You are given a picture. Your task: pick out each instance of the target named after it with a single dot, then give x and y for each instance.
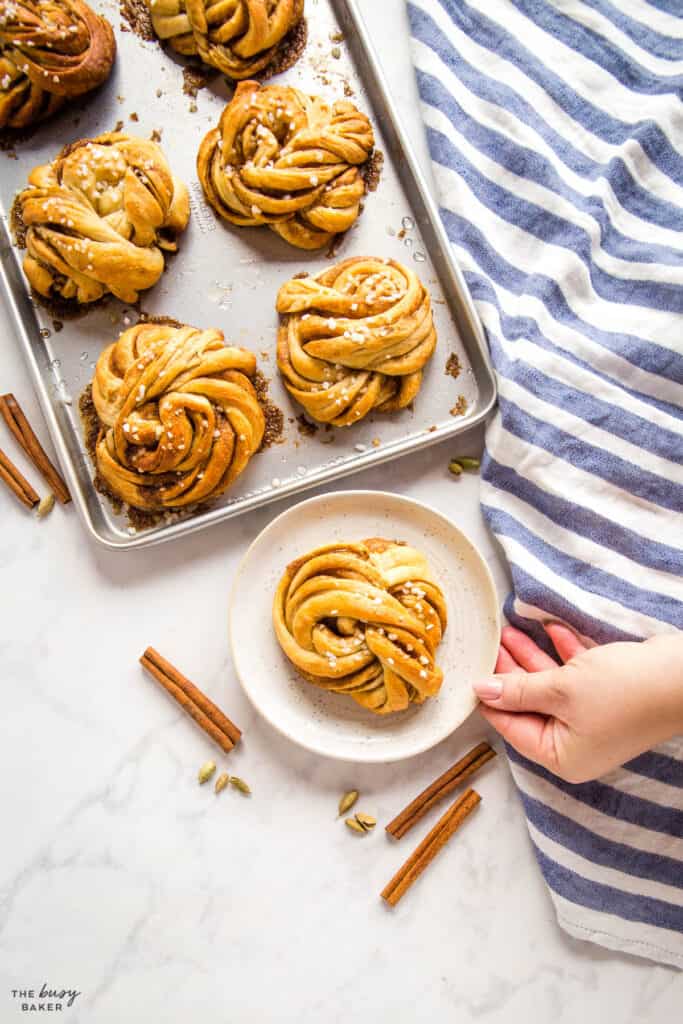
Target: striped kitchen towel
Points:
(556, 133)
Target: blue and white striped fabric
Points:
(556, 133)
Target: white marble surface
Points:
(159, 902)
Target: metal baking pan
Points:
(228, 277)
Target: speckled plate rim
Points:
(368, 756)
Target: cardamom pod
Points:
(221, 782)
(206, 771)
(45, 505)
(239, 784)
(354, 825)
(467, 463)
(366, 820)
(347, 801)
(455, 468)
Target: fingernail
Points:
(488, 689)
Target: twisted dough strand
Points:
(98, 217)
(365, 620)
(354, 338)
(180, 415)
(289, 160)
(49, 50)
(239, 37)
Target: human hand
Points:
(602, 707)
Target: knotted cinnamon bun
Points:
(49, 50)
(354, 338)
(180, 417)
(239, 37)
(365, 620)
(98, 218)
(289, 160)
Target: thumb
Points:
(542, 692)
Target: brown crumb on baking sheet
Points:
(137, 18)
(133, 116)
(156, 135)
(57, 325)
(146, 520)
(288, 52)
(196, 77)
(90, 421)
(301, 274)
(460, 407)
(118, 127)
(150, 318)
(11, 137)
(453, 366)
(372, 170)
(335, 244)
(275, 420)
(336, 37)
(67, 309)
(16, 224)
(305, 427)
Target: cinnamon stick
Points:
(203, 711)
(17, 483)
(440, 788)
(434, 841)
(14, 417)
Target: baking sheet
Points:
(228, 277)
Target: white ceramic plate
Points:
(330, 723)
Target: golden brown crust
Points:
(97, 219)
(291, 161)
(354, 338)
(240, 38)
(50, 50)
(179, 413)
(365, 620)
